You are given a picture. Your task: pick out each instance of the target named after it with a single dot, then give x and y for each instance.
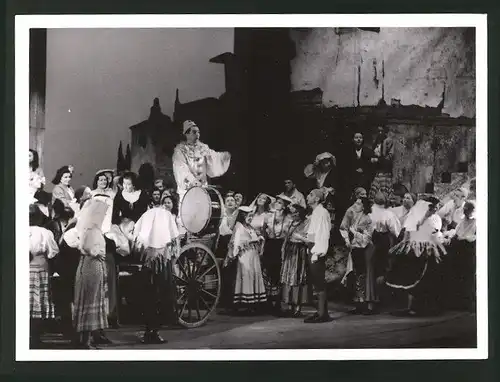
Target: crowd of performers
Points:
(273, 250)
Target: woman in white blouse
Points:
(62, 189)
(357, 230)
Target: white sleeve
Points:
(321, 227)
(182, 173)
(52, 247)
(217, 163)
(393, 223)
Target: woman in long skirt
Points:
(386, 231)
(91, 305)
(157, 240)
(294, 271)
(415, 262)
(357, 230)
(226, 232)
(271, 260)
(246, 248)
(42, 247)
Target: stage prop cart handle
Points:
(197, 274)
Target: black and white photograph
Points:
(251, 187)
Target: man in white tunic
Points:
(318, 236)
(194, 162)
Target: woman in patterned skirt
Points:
(91, 307)
(271, 260)
(357, 230)
(246, 247)
(383, 156)
(42, 247)
(294, 270)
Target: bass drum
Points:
(201, 210)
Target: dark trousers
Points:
(460, 275)
(317, 271)
(157, 297)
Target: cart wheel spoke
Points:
(181, 296)
(181, 267)
(210, 294)
(204, 273)
(180, 279)
(200, 264)
(183, 308)
(198, 309)
(205, 303)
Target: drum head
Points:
(196, 209)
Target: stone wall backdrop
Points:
(412, 65)
(420, 82)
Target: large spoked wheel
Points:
(197, 283)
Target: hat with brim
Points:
(246, 209)
(323, 156)
(105, 171)
(284, 198)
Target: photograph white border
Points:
(22, 25)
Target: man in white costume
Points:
(194, 162)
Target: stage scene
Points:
(252, 188)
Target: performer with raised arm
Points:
(194, 162)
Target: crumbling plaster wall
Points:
(412, 65)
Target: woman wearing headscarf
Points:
(91, 304)
(157, 241)
(246, 248)
(277, 226)
(194, 162)
(415, 261)
(131, 202)
(382, 160)
(295, 268)
(357, 230)
(42, 247)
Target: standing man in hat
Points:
(322, 175)
(318, 237)
(194, 162)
